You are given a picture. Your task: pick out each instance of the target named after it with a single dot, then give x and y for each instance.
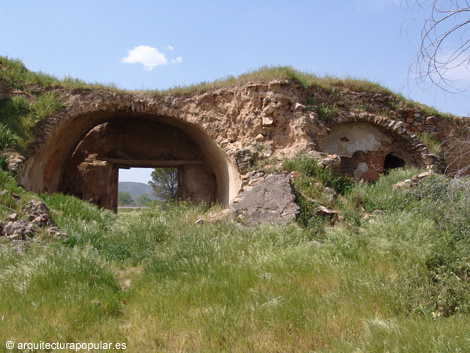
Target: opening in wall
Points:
(393, 162)
(140, 187)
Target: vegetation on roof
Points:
(38, 95)
(14, 72)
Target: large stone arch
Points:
(71, 142)
(369, 144)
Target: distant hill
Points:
(136, 189)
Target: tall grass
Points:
(19, 119)
(15, 73)
(271, 73)
(56, 294)
(159, 282)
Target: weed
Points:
(19, 118)
(326, 112)
(8, 139)
(3, 162)
(432, 144)
(310, 168)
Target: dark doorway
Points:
(393, 162)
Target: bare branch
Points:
(445, 42)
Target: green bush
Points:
(19, 119)
(310, 168)
(8, 139)
(3, 162)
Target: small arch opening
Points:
(393, 162)
(134, 190)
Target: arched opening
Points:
(393, 162)
(91, 172)
(83, 156)
(366, 151)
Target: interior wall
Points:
(363, 148)
(50, 169)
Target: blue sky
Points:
(143, 44)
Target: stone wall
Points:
(227, 126)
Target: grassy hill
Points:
(390, 274)
(136, 189)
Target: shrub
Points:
(3, 162)
(310, 168)
(8, 139)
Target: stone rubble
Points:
(270, 201)
(37, 215)
(414, 181)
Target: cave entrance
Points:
(92, 172)
(393, 162)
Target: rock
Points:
(425, 175)
(243, 158)
(38, 213)
(267, 121)
(13, 217)
(16, 197)
(18, 230)
(297, 106)
(406, 183)
(271, 201)
(332, 162)
(14, 162)
(259, 137)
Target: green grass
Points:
(397, 281)
(20, 118)
(271, 73)
(431, 143)
(70, 292)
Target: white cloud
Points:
(145, 55)
(169, 47)
(457, 72)
(178, 60)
